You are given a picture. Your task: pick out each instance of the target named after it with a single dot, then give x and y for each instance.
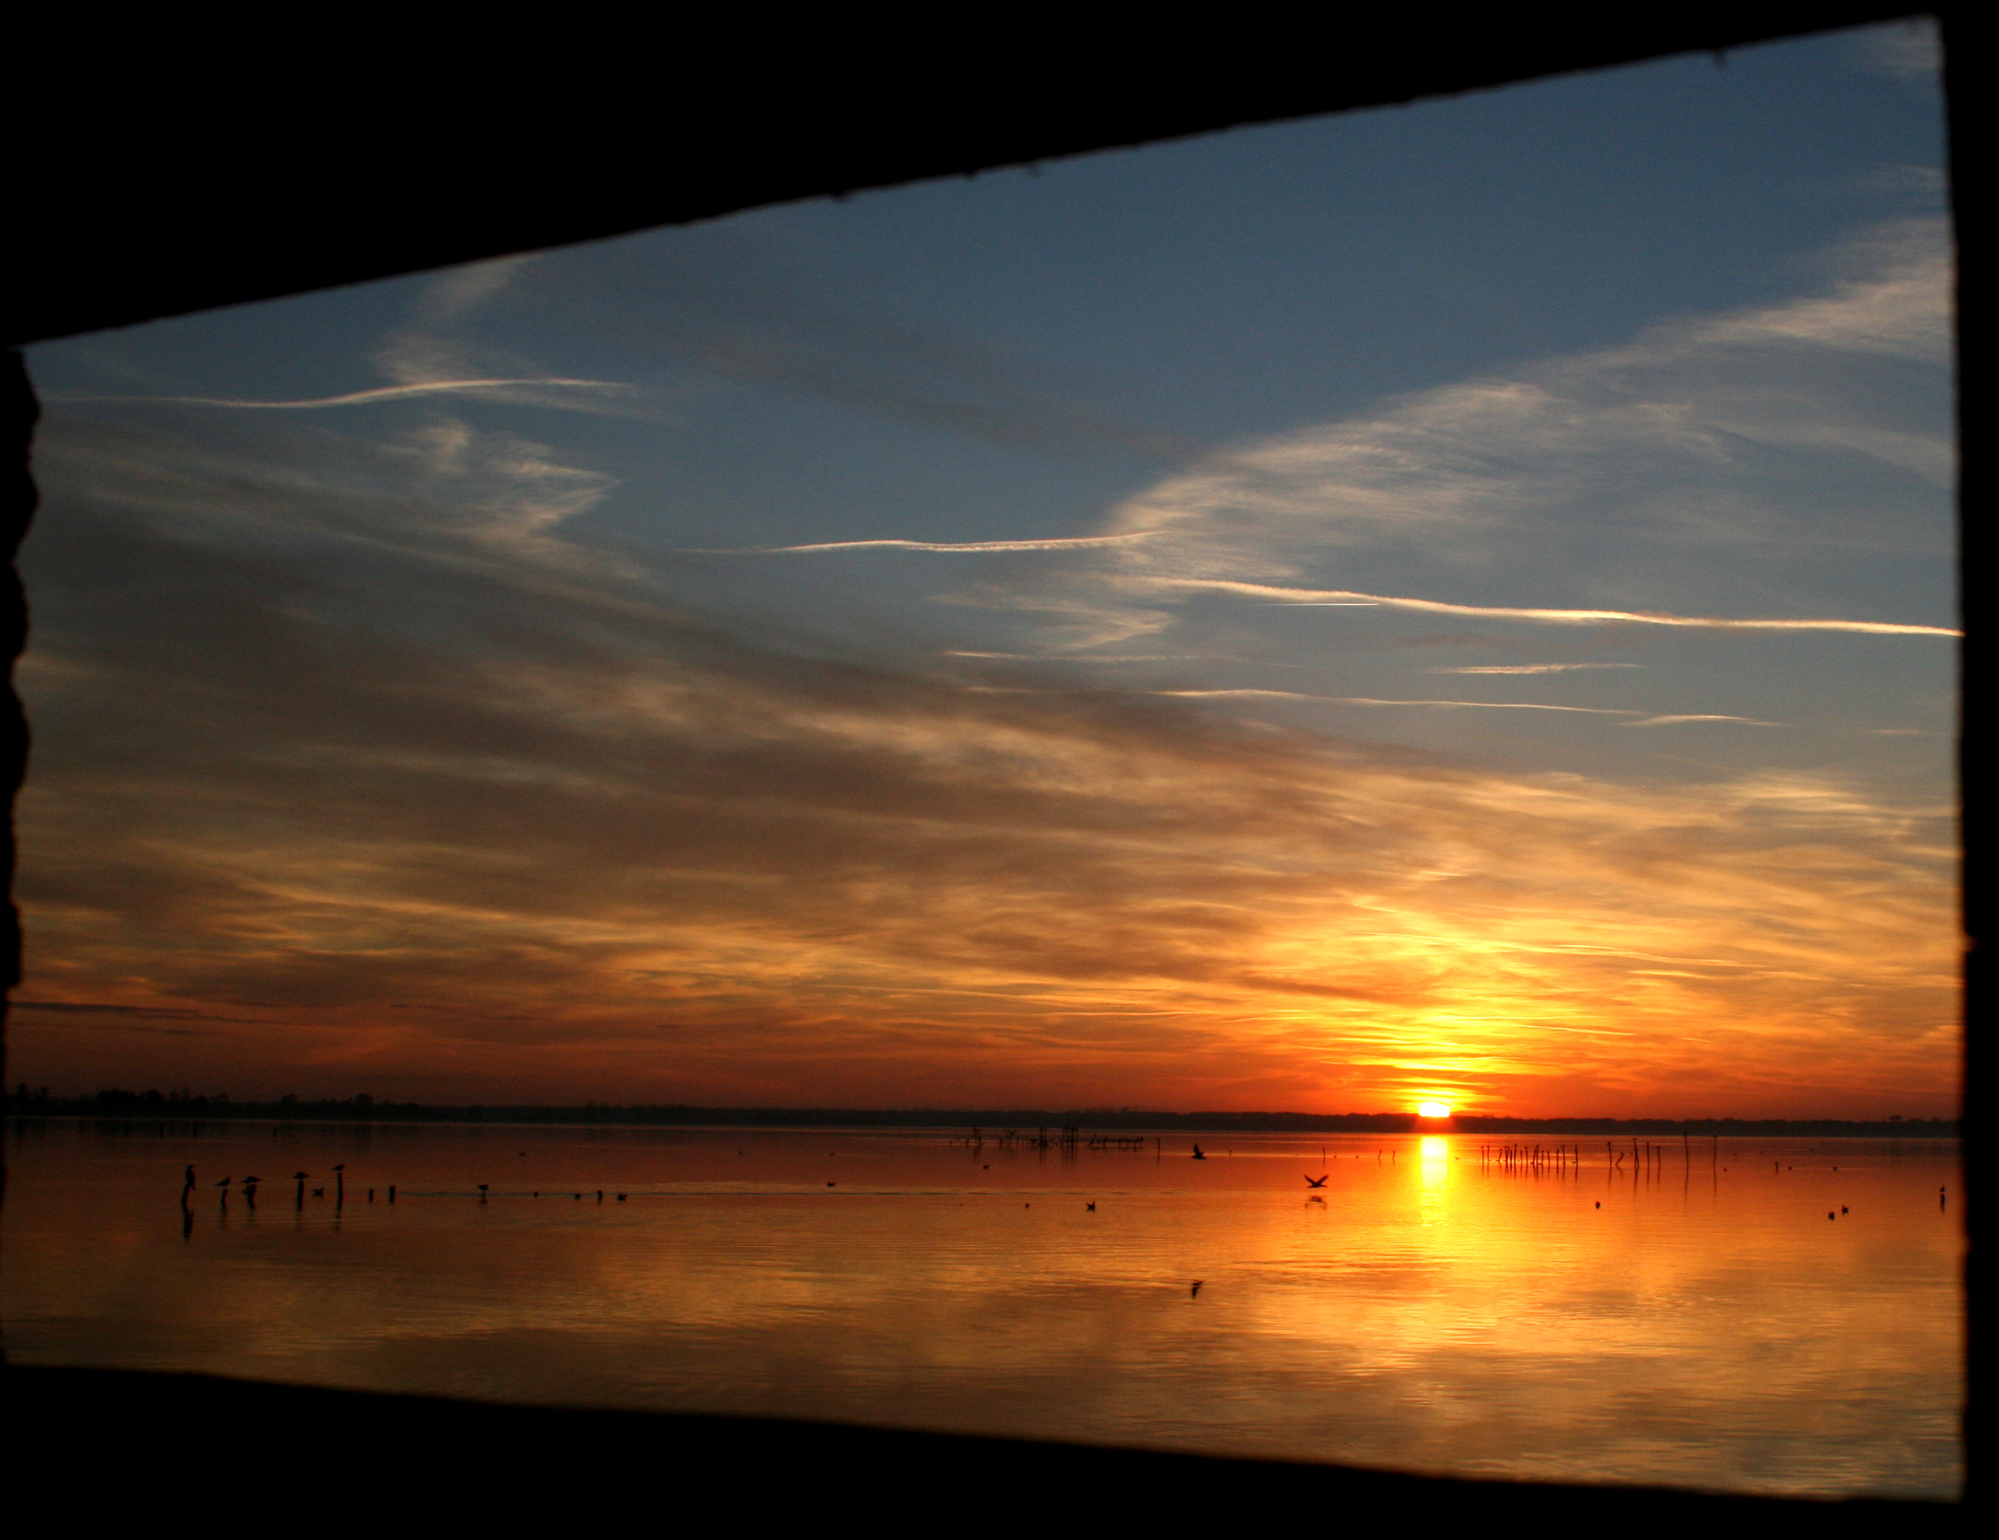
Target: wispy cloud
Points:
(367, 397)
(1671, 721)
(1910, 51)
(1530, 668)
(1443, 705)
(1550, 617)
(448, 809)
(1792, 436)
(1053, 543)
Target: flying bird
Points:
(1317, 1181)
(1195, 1292)
(1199, 1153)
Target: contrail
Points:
(352, 398)
(1530, 668)
(1670, 721)
(1055, 543)
(1467, 705)
(1299, 597)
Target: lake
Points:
(1685, 1315)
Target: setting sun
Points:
(1433, 1110)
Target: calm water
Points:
(1706, 1326)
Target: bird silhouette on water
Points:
(1317, 1181)
(1195, 1292)
(1199, 1153)
(1089, 1208)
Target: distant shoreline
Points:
(154, 1107)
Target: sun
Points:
(1433, 1109)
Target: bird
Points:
(482, 1192)
(1844, 1209)
(1317, 1181)
(1195, 1292)
(319, 1192)
(1089, 1208)
(1831, 1215)
(621, 1197)
(1199, 1153)
(223, 1183)
(1599, 1205)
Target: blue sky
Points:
(1454, 443)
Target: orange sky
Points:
(1190, 630)
(771, 883)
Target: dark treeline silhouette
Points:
(184, 1104)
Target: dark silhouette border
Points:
(175, 161)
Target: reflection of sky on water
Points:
(1701, 1326)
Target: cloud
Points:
(1793, 436)
(364, 719)
(724, 303)
(351, 727)
(1065, 543)
(1550, 617)
(1447, 705)
(361, 397)
(1529, 668)
(1672, 721)
(1909, 51)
